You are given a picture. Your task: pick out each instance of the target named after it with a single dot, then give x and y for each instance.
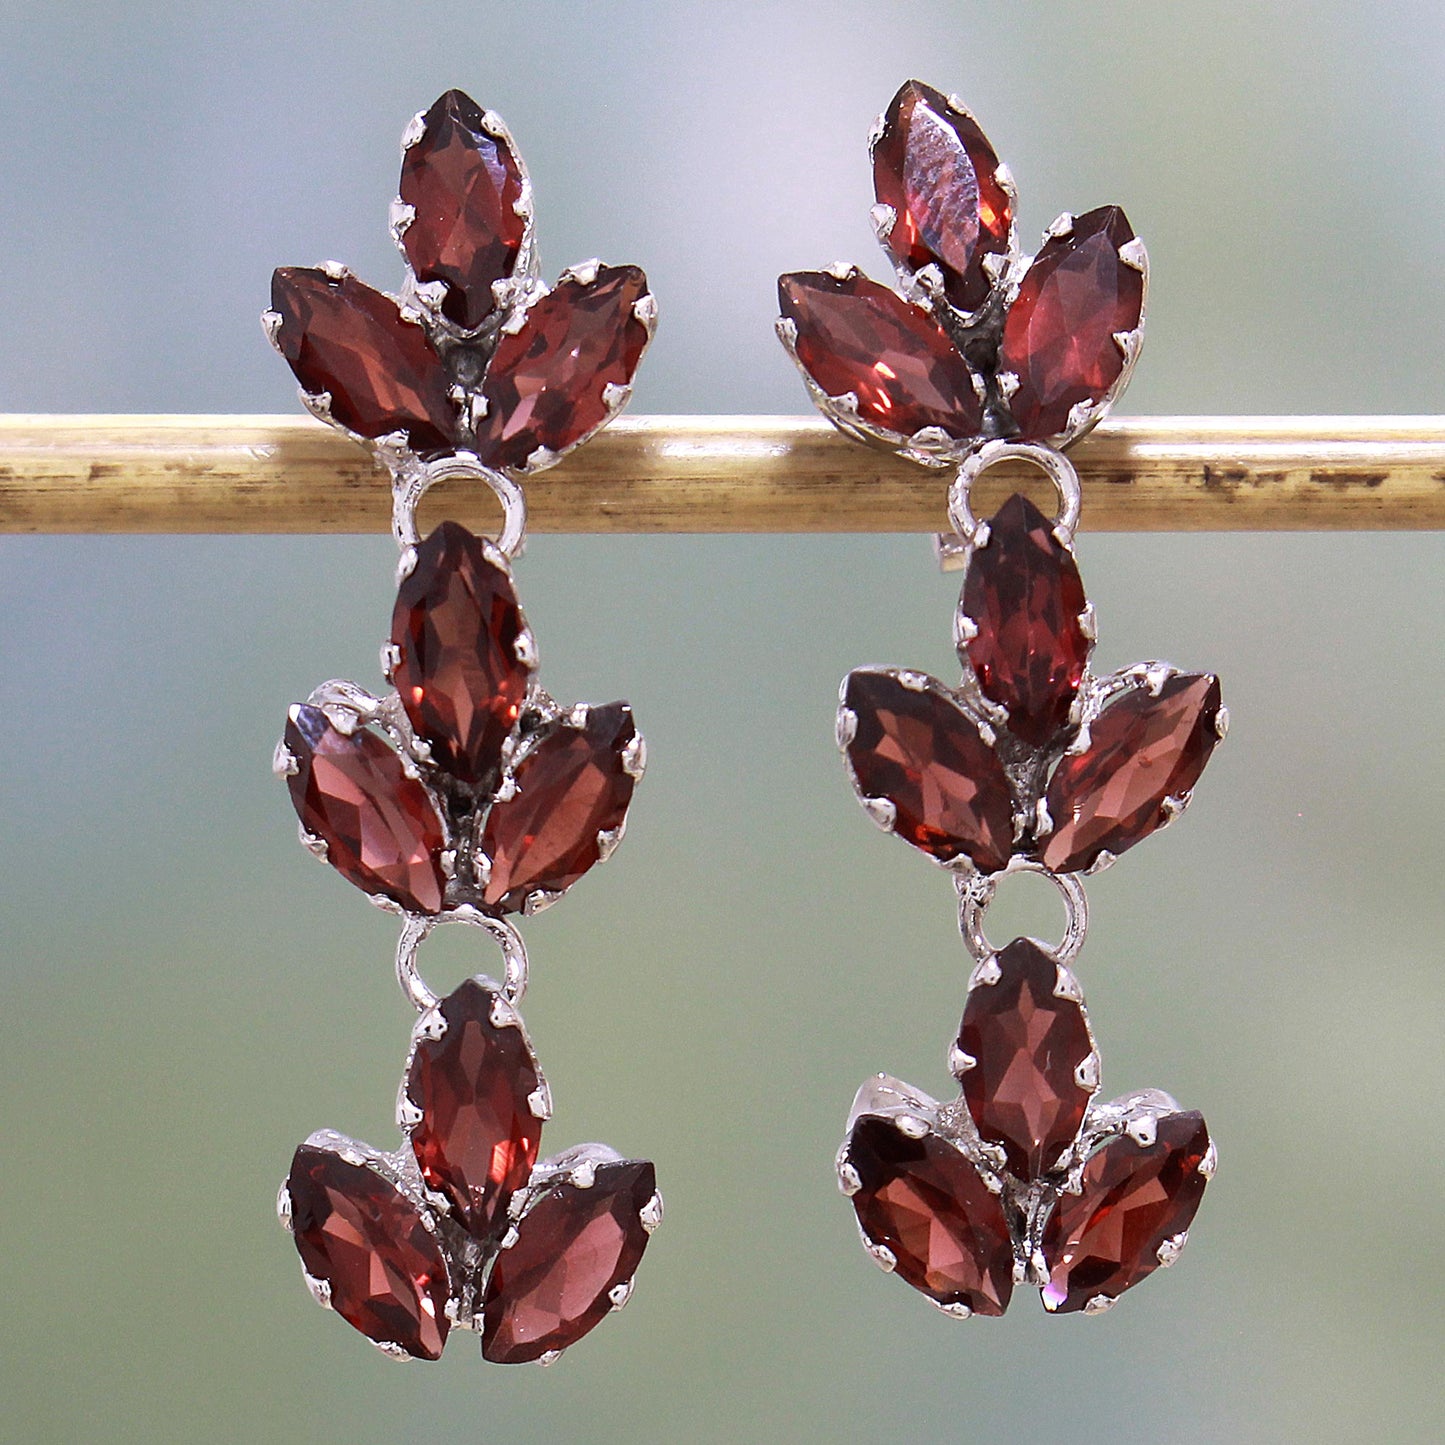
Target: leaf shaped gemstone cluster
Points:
(979, 341)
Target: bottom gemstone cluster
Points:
(1025, 1178)
(463, 1226)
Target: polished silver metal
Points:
(413, 481)
(1053, 464)
(418, 927)
(976, 891)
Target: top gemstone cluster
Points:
(475, 354)
(983, 342)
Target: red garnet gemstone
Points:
(343, 338)
(456, 625)
(1106, 1239)
(361, 1235)
(478, 1137)
(1027, 1043)
(1059, 336)
(856, 336)
(544, 386)
(1024, 595)
(573, 785)
(924, 1200)
(574, 1247)
(463, 185)
(915, 747)
(1142, 750)
(379, 826)
(935, 167)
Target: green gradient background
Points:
(184, 994)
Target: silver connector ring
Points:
(1054, 465)
(410, 488)
(417, 928)
(976, 892)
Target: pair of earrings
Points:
(468, 794)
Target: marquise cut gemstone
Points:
(1058, 339)
(917, 749)
(546, 383)
(857, 337)
(463, 185)
(1142, 750)
(936, 169)
(345, 339)
(1107, 1238)
(368, 1242)
(478, 1136)
(573, 786)
(1027, 1043)
(924, 1201)
(456, 627)
(379, 826)
(1024, 595)
(574, 1247)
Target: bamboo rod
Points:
(112, 474)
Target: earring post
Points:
(720, 474)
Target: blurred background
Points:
(185, 994)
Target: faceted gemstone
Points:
(1023, 592)
(1027, 1044)
(572, 786)
(463, 185)
(1142, 749)
(1106, 1239)
(343, 338)
(935, 167)
(925, 1201)
(857, 336)
(918, 749)
(574, 1246)
(478, 1137)
(456, 625)
(1059, 336)
(544, 386)
(379, 826)
(368, 1241)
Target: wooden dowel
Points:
(114, 474)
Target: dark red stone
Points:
(1059, 336)
(1106, 1239)
(935, 167)
(368, 1241)
(344, 338)
(478, 1138)
(1027, 1044)
(1142, 749)
(464, 186)
(857, 336)
(570, 787)
(917, 748)
(456, 625)
(573, 1247)
(1023, 592)
(544, 386)
(925, 1201)
(379, 826)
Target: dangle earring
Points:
(1033, 763)
(467, 794)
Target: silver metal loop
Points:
(417, 928)
(1054, 465)
(976, 892)
(409, 488)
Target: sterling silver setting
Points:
(462, 807)
(950, 768)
